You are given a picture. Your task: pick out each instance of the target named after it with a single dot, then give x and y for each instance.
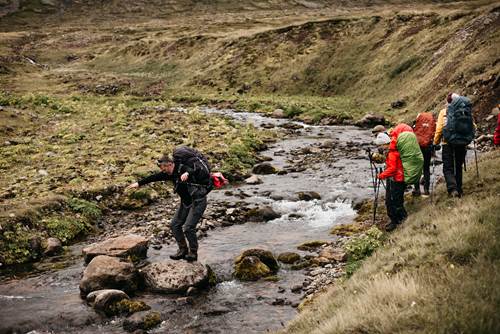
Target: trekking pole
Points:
(375, 202)
(371, 168)
(475, 156)
(433, 176)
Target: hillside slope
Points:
(365, 57)
(438, 273)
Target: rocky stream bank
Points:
(265, 248)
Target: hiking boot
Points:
(427, 192)
(454, 194)
(390, 227)
(181, 253)
(416, 193)
(192, 256)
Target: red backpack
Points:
(424, 128)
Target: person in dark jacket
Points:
(190, 174)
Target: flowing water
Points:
(50, 301)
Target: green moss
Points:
(65, 228)
(212, 277)
(362, 246)
(127, 306)
(88, 209)
(18, 245)
(151, 320)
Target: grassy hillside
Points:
(264, 54)
(438, 273)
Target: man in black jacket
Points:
(188, 169)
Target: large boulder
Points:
(174, 276)
(131, 245)
(308, 195)
(104, 300)
(278, 113)
(262, 214)
(53, 246)
(264, 256)
(107, 272)
(264, 168)
(370, 120)
(251, 268)
(254, 179)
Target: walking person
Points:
(424, 129)
(496, 136)
(395, 185)
(190, 173)
(454, 130)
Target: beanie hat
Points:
(451, 97)
(382, 139)
(378, 128)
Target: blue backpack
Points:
(459, 129)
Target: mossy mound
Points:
(311, 245)
(289, 257)
(302, 265)
(250, 268)
(264, 256)
(349, 229)
(127, 306)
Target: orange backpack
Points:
(424, 128)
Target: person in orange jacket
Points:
(395, 186)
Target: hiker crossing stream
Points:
(323, 170)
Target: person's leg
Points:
(449, 168)
(460, 152)
(176, 228)
(427, 153)
(399, 198)
(389, 204)
(195, 215)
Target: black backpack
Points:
(459, 129)
(196, 160)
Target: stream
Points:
(329, 160)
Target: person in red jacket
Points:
(395, 186)
(496, 136)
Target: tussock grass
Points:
(438, 273)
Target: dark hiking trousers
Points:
(394, 201)
(453, 161)
(427, 153)
(184, 223)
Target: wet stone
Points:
(131, 245)
(174, 276)
(106, 272)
